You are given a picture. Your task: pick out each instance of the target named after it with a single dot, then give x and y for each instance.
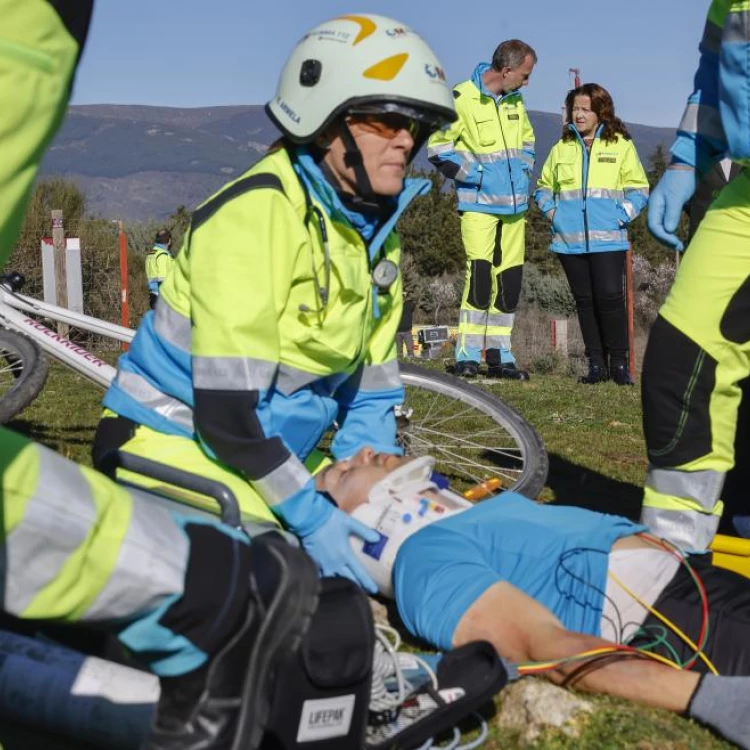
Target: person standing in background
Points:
(158, 264)
(489, 153)
(592, 186)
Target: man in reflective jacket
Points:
(280, 316)
(158, 264)
(489, 153)
(699, 347)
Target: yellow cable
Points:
(667, 622)
(598, 652)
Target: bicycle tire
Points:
(521, 467)
(23, 372)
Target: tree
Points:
(658, 161)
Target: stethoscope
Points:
(383, 275)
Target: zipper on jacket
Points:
(587, 160)
(507, 158)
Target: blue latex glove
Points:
(331, 549)
(674, 190)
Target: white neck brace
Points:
(396, 509)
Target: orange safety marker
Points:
(483, 489)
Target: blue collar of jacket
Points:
(368, 227)
(478, 81)
(574, 129)
(158, 248)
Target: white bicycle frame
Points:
(13, 316)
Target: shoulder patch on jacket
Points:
(253, 182)
(456, 94)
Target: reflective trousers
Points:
(698, 350)
(79, 548)
(495, 248)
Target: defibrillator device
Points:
(398, 506)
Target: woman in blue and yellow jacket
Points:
(592, 186)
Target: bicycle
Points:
(473, 434)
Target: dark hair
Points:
(163, 237)
(602, 106)
(511, 54)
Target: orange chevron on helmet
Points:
(388, 69)
(367, 27)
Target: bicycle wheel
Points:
(23, 370)
(472, 433)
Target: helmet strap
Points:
(365, 199)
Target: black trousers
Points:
(728, 645)
(597, 283)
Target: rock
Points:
(379, 612)
(530, 706)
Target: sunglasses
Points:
(385, 124)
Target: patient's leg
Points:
(522, 630)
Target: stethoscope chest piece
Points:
(384, 274)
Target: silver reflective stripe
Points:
(595, 236)
(290, 379)
(499, 200)
(502, 320)
(502, 155)
(473, 340)
(464, 169)
(571, 195)
(689, 530)
(283, 482)
(442, 148)
(712, 34)
(528, 145)
(151, 564)
(59, 516)
(152, 398)
(172, 326)
(607, 236)
(737, 28)
(700, 118)
(473, 317)
(497, 342)
(233, 373)
(605, 193)
(382, 377)
(629, 209)
(702, 487)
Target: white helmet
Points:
(359, 61)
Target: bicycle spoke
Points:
(468, 443)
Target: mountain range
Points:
(137, 162)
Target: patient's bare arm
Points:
(522, 630)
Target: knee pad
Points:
(480, 284)
(509, 289)
(321, 694)
(678, 380)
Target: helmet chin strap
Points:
(365, 199)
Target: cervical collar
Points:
(396, 509)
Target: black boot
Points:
(225, 704)
(620, 374)
(508, 370)
(596, 374)
(466, 369)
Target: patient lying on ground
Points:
(542, 582)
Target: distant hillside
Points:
(138, 162)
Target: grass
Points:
(597, 460)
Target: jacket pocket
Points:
(487, 130)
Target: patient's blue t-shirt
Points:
(555, 554)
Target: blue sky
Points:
(193, 53)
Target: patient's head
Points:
(349, 482)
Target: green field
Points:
(597, 460)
